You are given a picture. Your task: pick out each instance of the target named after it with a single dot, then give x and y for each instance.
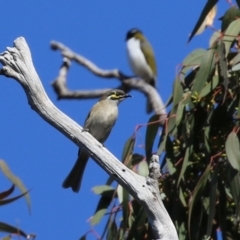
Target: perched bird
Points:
(141, 58)
(99, 123)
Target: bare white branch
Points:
(126, 83)
(17, 64)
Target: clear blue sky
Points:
(39, 154)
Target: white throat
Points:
(137, 60)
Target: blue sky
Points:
(39, 154)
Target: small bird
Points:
(99, 123)
(141, 58)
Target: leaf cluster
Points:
(199, 147)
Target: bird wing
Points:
(149, 55)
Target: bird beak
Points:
(127, 95)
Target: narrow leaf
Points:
(233, 150)
(207, 8)
(231, 34)
(212, 203)
(16, 181)
(127, 151)
(209, 86)
(102, 189)
(177, 92)
(206, 68)
(184, 164)
(4, 227)
(151, 134)
(7, 193)
(9, 200)
(192, 60)
(223, 66)
(143, 169)
(197, 193)
(102, 207)
(230, 15)
(180, 111)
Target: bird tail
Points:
(74, 178)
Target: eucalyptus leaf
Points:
(151, 133)
(197, 193)
(16, 181)
(4, 227)
(209, 86)
(233, 150)
(207, 8)
(206, 68)
(231, 34)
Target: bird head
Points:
(136, 33)
(115, 95)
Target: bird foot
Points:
(85, 130)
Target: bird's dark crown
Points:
(133, 32)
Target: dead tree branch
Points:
(126, 83)
(17, 63)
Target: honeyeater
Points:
(99, 123)
(141, 58)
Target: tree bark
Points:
(17, 63)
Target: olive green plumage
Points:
(141, 58)
(99, 124)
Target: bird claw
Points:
(85, 130)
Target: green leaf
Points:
(102, 189)
(231, 34)
(127, 151)
(223, 66)
(184, 164)
(143, 169)
(215, 36)
(151, 134)
(137, 231)
(112, 231)
(236, 67)
(206, 68)
(197, 193)
(233, 150)
(177, 92)
(207, 8)
(209, 86)
(234, 184)
(16, 181)
(125, 208)
(236, 59)
(4, 227)
(212, 199)
(180, 111)
(171, 167)
(170, 123)
(192, 60)
(238, 112)
(103, 204)
(182, 198)
(230, 15)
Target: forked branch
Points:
(17, 64)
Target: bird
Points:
(99, 123)
(141, 58)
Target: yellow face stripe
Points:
(115, 95)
